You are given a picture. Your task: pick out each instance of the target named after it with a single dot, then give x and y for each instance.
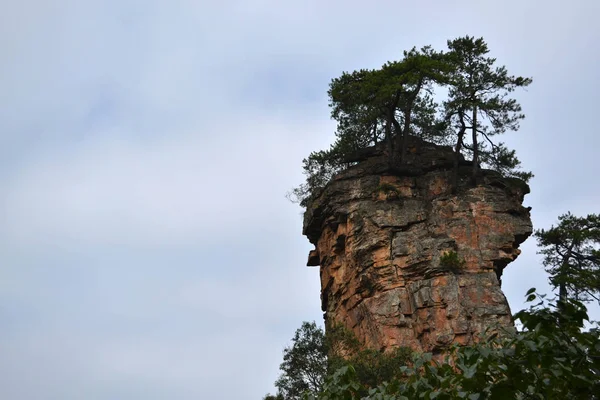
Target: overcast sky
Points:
(147, 250)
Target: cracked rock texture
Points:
(380, 233)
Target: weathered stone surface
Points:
(380, 232)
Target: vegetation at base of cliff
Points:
(315, 355)
(371, 365)
(304, 365)
(553, 354)
(387, 105)
(551, 357)
(545, 360)
(451, 261)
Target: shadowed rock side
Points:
(380, 236)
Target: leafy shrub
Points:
(552, 357)
(370, 365)
(451, 261)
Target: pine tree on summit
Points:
(478, 91)
(387, 105)
(375, 105)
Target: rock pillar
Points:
(405, 260)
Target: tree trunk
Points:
(562, 286)
(407, 120)
(562, 291)
(459, 142)
(388, 136)
(562, 294)
(375, 133)
(398, 134)
(475, 147)
(388, 126)
(405, 131)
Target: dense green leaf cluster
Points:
(370, 365)
(387, 105)
(304, 365)
(313, 354)
(452, 261)
(552, 357)
(572, 256)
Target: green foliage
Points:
(341, 341)
(551, 357)
(542, 361)
(384, 106)
(319, 168)
(504, 161)
(452, 261)
(274, 397)
(572, 256)
(389, 103)
(518, 183)
(370, 365)
(478, 101)
(341, 385)
(304, 365)
(314, 354)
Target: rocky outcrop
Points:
(407, 261)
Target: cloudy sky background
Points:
(147, 250)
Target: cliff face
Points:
(380, 238)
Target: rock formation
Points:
(405, 260)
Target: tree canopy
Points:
(385, 106)
(571, 253)
(479, 89)
(304, 365)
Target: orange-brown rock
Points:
(380, 234)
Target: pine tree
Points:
(478, 101)
(571, 253)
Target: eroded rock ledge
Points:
(380, 233)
